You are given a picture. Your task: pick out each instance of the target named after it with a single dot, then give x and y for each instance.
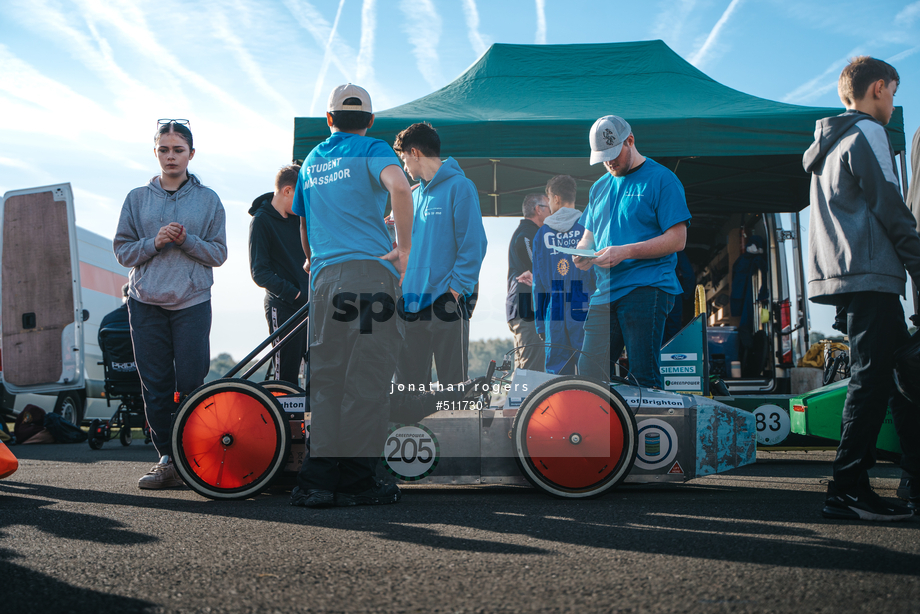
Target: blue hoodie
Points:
(448, 239)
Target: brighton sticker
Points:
(411, 452)
(678, 357)
(682, 383)
(657, 444)
(773, 424)
(682, 370)
(648, 400)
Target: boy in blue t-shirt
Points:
(637, 220)
(355, 332)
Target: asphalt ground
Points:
(77, 535)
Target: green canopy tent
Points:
(522, 113)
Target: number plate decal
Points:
(411, 452)
(773, 424)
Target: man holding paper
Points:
(635, 222)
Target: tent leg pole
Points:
(495, 185)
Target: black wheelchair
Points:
(123, 385)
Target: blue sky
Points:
(82, 83)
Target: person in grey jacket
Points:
(862, 237)
(171, 233)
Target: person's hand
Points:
(525, 278)
(181, 236)
(400, 259)
(609, 257)
(306, 265)
(456, 294)
(298, 296)
(581, 263)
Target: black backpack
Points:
(63, 430)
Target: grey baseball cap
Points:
(343, 92)
(607, 137)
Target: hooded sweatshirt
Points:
(561, 291)
(276, 254)
(861, 234)
(448, 238)
(177, 276)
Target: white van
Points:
(57, 282)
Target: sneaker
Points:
(313, 497)
(163, 475)
(381, 494)
(909, 490)
(861, 504)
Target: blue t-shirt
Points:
(341, 197)
(624, 210)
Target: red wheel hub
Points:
(240, 420)
(574, 439)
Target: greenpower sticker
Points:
(682, 383)
(411, 452)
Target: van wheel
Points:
(70, 406)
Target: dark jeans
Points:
(354, 346)
(876, 326)
(173, 354)
(285, 364)
(636, 321)
(436, 338)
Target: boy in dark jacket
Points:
(862, 237)
(276, 262)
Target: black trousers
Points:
(876, 326)
(355, 340)
(285, 364)
(440, 334)
(172, 354)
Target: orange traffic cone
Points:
(8, 462)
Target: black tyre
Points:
(69, 406)
(125, 435)
(574, 438)
(230, 439)
(95, 442)
(279, 388)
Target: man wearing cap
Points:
(635, 222)
(355, 333)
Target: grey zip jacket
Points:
(177, 276)
(861, 235)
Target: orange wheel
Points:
(230, 439)
(574, 438)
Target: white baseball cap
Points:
(607, 137)
(343, 92)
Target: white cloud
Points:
(904, 54)
(670, 19)
(244, 58)
(540, 36)
(343, 57)
(364, 72)
(699, 58)
(423, 28)
(908, 15)
(321, 76)
(472, 25)
(818, 86)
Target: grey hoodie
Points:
(861, 234)
(177, 276)
(563, 219)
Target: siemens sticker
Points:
(684, 370)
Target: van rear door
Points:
(42, 311)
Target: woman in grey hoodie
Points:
(171, 233)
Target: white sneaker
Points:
(163, 475)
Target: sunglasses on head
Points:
(166, 122)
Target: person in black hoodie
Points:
(276, 261)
